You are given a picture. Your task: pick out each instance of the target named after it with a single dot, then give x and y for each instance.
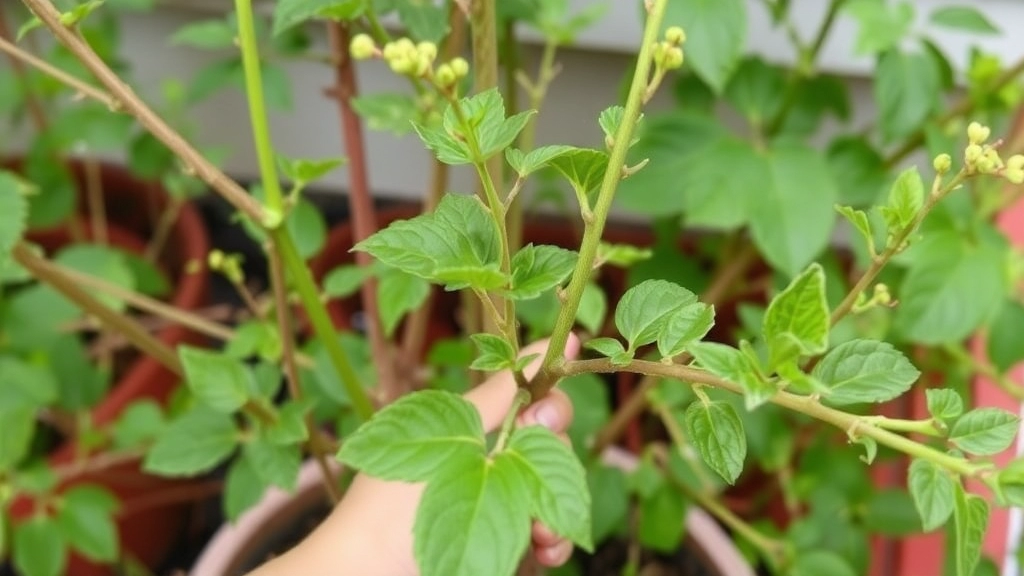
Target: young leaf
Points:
(905, 200)
(397, 294)
(194, 443)
(735, 366)
(219, 381)
(684, 327)
(446, 148)
(610, 120)
(609, 347)
(537, 269)
(716, 32)
(290, 427)
(944, 404)
(308, 228)
(865, 371)
(303, 171)
(38, 548)
(582, 167)
(456, 245)
(645, 308)
(527, 163)
(243, 488)
(415, 437)
(932, 490)
(345, 280)
(622, 255)
(966, 18)
(859, 220)
(970, 517)
(985, 431)
(207, 34)
(289, 13)
(800, 311)
(717, 432)
(275, 464)
(495, 353)
(393, 113)
(592, 310)
(86, 521)
(474, 519)
(560, 498)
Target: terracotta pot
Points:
(153, 510)
(237, 548)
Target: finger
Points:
(553, 556)
(543, 537)
(553, 412)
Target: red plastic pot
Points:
(153, 510)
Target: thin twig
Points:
(75, 84)
(35, 107)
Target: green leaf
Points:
(892, 513)
(207, 34)
(819, 563)
(345, 280)
(528, 163)
(304, 171)
(1003, 344)
(907, 89)
(425, 20)
(610, 507)
(290, 427)
(662, 520)
(77, 14)
(858, 170)
(494, 353)
(102, 262)
(308, 228)
(985, 431)
(38, 548)
(193, 443)
(882, 25)
(393, 113)
(397, 294)
(932, 490)
(289, 13)
(584, 168)
(735, 366)
(219, 381)
(456, 245)
(484, 115)
(970, 517)
(944, 404)
(275, 464)
(243, 488)
(537, 269)
(593, 308)
(25, 385)
(86, 522)
(716, 33)
(800, 312)
(255, 338)
(791, 210)
(560, 498)
(448, 149)
(464, 510)
(415, 437)
(756, 90)
(860, 222)
(684, 327)
(17, 425)
(905, 200)
(622, 255)
(611, 348)
(865, 371)
(140, 422)
(610, 120)
(717, 432)
(13, 213)
(966, 18)
(591, 409)
(644, 310)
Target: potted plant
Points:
(795, 368)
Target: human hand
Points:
(370, 532)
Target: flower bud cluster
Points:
(981, 157)
(407, 58)
(668, 54)
(230, 265)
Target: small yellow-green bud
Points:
(675, 35)
(942, 163)
(391, 51)
(882, 295)
(972, 153)
(993, 155)
(459, 66)
(986, 165)
(1015, 162)
(445, 76)
(673, 58)
(427, 50)
(402, 64)
(658, 54)
(362, 47)
(1015, 176)
(977, 134)
(215, 259)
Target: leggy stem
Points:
(852, 424)
(592, 235)
(42, 269)
(521, 399)
(18, 55)
(35, 107)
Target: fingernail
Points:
(546, 415)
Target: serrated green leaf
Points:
(345, 280)
(819, 563)
(859, 220)
(399, 293)
(584, 168)
(756, 90)
(193, 443)
(1002, 343)
(717, 432)
(207, 34)
(456, 245)
(275, 464)
(933, 492)
(644, 310)
(609, 347)
(966, 18)
(304, 171)
(484, 115)
(985, 431)
(140, 422)
(622, 255)
(38, 548)
(537, 269)
(944, 404)
(425, 20)
(290, 427)
(661, 526)
(905, 200)
(13, 214)
(593, 308)
(882, 25)
(733, 365)
(493, 353)
(801, 311)
(415, 437)
(448, 149)
(716, 33)
(558, 483)
(527, 163)
(859, 171)
(289, 13)
(610, 120)
(970, 517)
(219, 381)
(394, 113)
(243, 488)
(685, 326)
(865, 371)
(86, 521)
(255, 338)
(907, 89)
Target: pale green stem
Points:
(521, 399)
